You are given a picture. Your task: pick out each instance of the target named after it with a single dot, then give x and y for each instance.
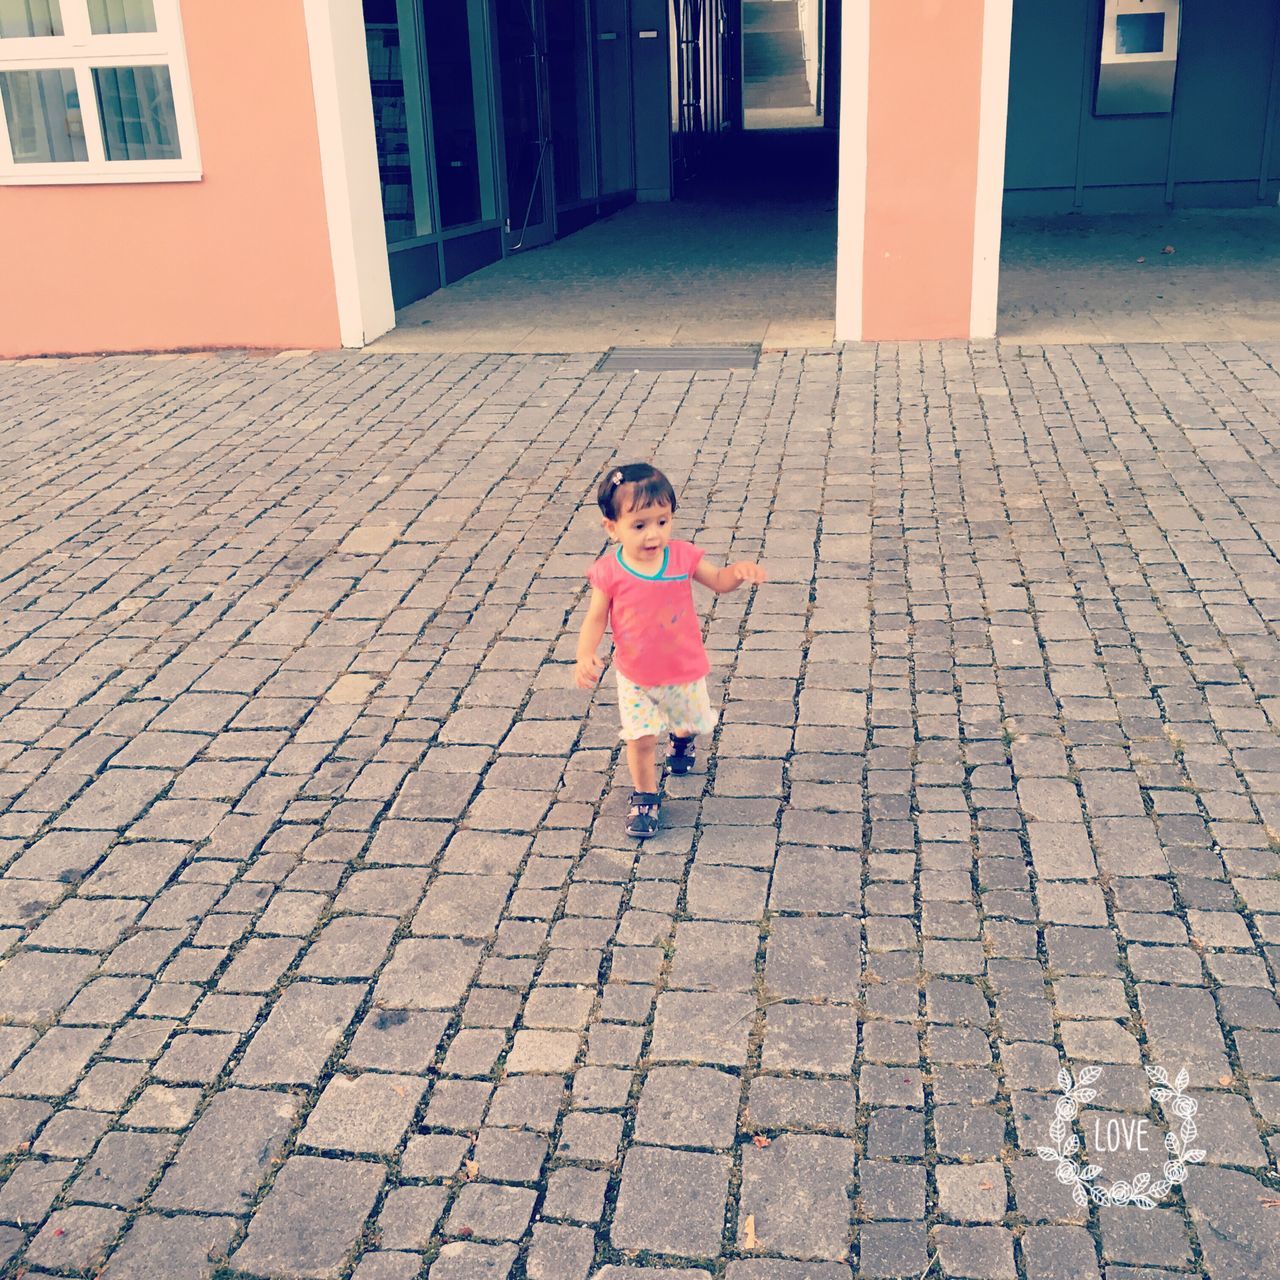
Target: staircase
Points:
(773, 55)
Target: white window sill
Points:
(97, 177)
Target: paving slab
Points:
(319, 931)
(311, 1219)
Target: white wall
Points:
(810, 34)
(349, 165)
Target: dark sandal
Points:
(682, 754)
(642, 821)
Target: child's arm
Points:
(730, 577)
(590, 665)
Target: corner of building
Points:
(276, 240)
(349, 169)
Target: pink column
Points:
(924, 95)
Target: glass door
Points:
(460, 119)
(573, 115)
(522, 63)
(613, 96)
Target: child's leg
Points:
(642, 760)
(688, 712)
(641, 722)
(642, 816)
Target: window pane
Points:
(119, 17)
(390, 120)
(1140, 33)
(136, 107)
(30, 18)
(43, 111)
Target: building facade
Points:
(226, 173)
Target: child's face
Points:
(644, 533)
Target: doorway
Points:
(782, 64)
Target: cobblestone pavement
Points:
(325, 954)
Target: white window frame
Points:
(80, 51)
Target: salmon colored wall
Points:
(922, 168)
(240, 258)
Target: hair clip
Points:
(616, 477)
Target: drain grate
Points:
(670, 359)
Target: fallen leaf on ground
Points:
(1269, 1202)
(749, 1240)
(470, 1169)
(761, 1141)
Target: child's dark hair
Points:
(649, 488)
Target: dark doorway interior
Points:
(748, 66)
(780, 166)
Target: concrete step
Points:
(772, 44)
(796, 77)
(771, 15)
(796, 81)
(793, 71)
(773, 69)
(776, 91)
(767, 62)
(772, 96)
(757, 67)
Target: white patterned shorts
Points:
(682, 709)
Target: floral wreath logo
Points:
(1141, 1192)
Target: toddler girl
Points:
(643, 589)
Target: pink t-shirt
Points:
(657, 638)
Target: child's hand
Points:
(588, 671)
(747, 571)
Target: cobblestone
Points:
(309, 1222)
(324, 953)
(671, 1202)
